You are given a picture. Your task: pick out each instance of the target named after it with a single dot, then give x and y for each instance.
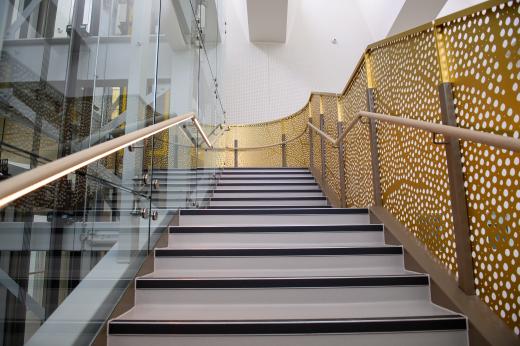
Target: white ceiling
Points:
(267, 20)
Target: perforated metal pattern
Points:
(414, 179)
(483, 59)
(316, 145)
(357, 161)
(330, 109)
(262, 134)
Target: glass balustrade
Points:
(74, 74)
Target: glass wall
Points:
(73, 74)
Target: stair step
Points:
(268, 187)
(277, 216)
(266, 205)
(288, 319)
(274, 236)
(263, 211)
(155, 290)
(275, 228)
(317, 251)
(294, 282)
(266, 193)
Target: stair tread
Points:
(323, 272)
(269, 312)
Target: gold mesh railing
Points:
(473, 54)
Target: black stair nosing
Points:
(293, 282)
(266, 206)
(245, 199)
(277, 228)
(254, 252)
(282, 211)
(268, 191)
(290, 198)
(273, 183)
(173, 178)
(316, 326)
(235, 184)
(266, 168)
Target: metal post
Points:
(175, 151)
(311, 147)
(322, 146)
(373, 150)
(457, 194)
(284, 151)
(341, 163)
(236, 153)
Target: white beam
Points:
(267, 20)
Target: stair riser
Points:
(283, 265)
(298, 296)
(269, 239)
(280, 219)
(445, 338)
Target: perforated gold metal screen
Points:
(414, 179)
(483, 61)
(332, 183)
(357, 161)
(316, 145)
(267, 136)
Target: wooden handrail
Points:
(503, 142)
(20, 185)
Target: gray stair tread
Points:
(284, 311)
(278, 272)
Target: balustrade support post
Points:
(284, 151)
(322, 147)
(235, 152)
(459, 207)
(341, 163)
(376, 175)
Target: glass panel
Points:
(73, 74)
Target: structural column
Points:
(457, 194)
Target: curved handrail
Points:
(503, 142)
(20, 185)
(262, 146)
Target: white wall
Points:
(261, 82)
(266, 81)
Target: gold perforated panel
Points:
(414, 179)
(258, 135)
(357, 160)
(332, 183)
(316, 143)
(483, 59)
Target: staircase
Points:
(268, 262)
